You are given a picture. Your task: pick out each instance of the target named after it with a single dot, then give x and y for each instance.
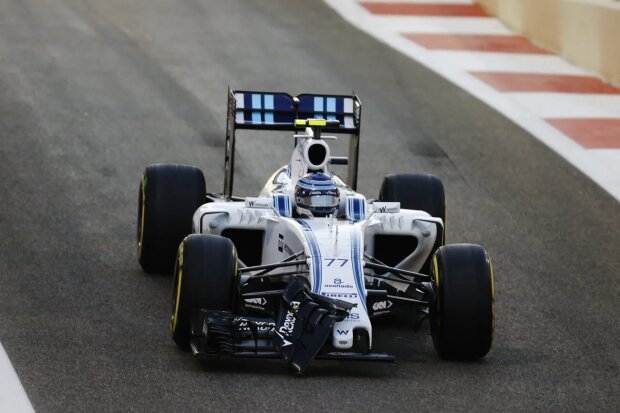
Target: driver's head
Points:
(318, 194)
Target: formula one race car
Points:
(299, 271)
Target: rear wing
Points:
(277, 111)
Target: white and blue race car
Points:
(301, 271)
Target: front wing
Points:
(298, 334)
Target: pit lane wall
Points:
(586, 32)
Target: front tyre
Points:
(204, 278)
(168, 197)
(462, 317)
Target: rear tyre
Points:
(462, 317)
(421, 192)
(204, 278)
(169, 195)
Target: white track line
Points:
(13, 398)
(443, 25)
(422, 1)
(602, 169)
(569, 105)
(509, 62)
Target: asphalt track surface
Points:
(92, 91)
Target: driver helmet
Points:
(317, 194)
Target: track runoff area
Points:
(567, 108)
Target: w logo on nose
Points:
(342, 332)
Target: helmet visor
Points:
(319, 201)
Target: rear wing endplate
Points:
(277, 111)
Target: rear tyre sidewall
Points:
(167, 199)
(462, 316)
(204, 278)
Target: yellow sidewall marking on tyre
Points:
(436, 267)
(175, 316)
(235, 275)
(445, 225)
(436, 280)
(236, 261)
(492, 297)
(143, 186)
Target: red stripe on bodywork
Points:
(479, 43)
(591, 133)
(528, 82)
(413, 9)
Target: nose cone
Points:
(342, 335)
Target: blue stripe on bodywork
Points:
(331, 107)
(318, 107)
(356, 262)
(281, 202)
(357, 210)
(361, 213)
(316, 256)
(277, 202)
(268, 108)
(350, 200)
(256, 104)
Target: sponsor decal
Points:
(285, 342)
(353, 317)
(339, 295)
(338, 283)
(286, 330)
(243, 325)
(258, 301)
(260, 203)
(386, 207)
(342, 332)
(382, 305)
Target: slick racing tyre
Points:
(168, 197)
(421, 192)
(204, 278)
(462, 317)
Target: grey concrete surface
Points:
(92, 91)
